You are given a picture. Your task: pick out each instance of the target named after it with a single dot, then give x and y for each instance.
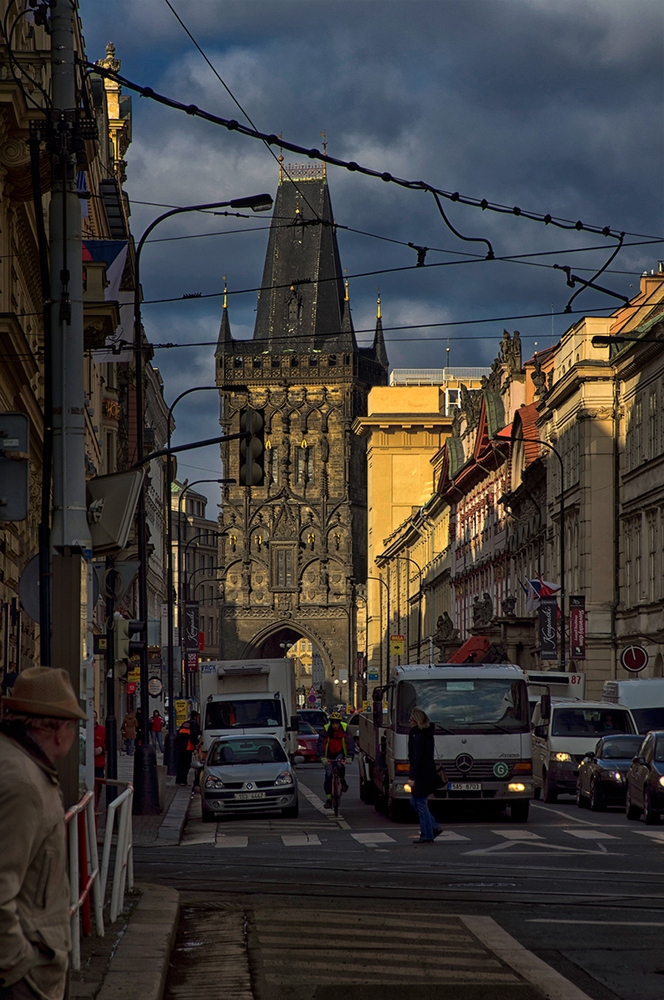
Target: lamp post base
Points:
(171, 753)
(146, 785)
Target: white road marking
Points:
(224, 840)
(318, 803)
(533, 969)
(591, 834)
(653, 834)
(300, 840)
(451, 835)
(565, 815)
(369, 839)
(596, 923)
(517, 834)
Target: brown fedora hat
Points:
(44, 691)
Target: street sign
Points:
(180, 712)
(634, 658)
(577, 627)
(155, 687)
(312, 699)
(131, 688)
(372, 675)
(134, 675)
(397, 645)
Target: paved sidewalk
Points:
(164, 829)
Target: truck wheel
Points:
(397, 811)
(366, 791)
(519, 811)
(537, 792)
(291, 812)
(548, 794)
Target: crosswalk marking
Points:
(517, 834)
(372, 838)
(225, 841)
(451, 835)
(300, 839)
(590, 834)
(653, 834)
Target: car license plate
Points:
(250, 795)
(464, 786)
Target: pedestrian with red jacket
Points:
(188, 737)
(157, 723)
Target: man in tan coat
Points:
(38, 729)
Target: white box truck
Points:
(644, 696)
(556, 683)
(253, 697)
(482, 736)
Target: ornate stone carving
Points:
(508, 606)
(482, 610)
(539, 379)
(445, 630)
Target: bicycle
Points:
(337, 788)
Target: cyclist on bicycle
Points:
(335, 743)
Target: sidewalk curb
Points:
(171, 827)
(150, 933)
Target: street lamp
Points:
(379, 579)
(419, 603)
(536, 440)
(146, 797)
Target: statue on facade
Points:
(482, 610)
(508, 606)
(445, 630)
(539, 379)
(469, 406)
(494, 378)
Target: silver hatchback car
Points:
(248, 774)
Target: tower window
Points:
(276, 361)
(258, 362)
(238, 362)
(313, 361)
(332, 361)
(283, 567)
(294, 361)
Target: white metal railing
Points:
(85, 810)
(123, 871)
(433, 376)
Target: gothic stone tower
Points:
(293, 548)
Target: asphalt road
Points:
(316, 900)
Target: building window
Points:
(652, 424)
(638, 433)
(652, 555)
(283, 567)
(638, 577)
(305, 464)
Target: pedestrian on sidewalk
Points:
(99, 755)
(156, 726)
(129, 731)
(188, 737)
(37, 730)
(423, 773)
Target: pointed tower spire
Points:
(225, 336)
(379, 349)
(346, 318)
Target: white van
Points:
(564, 731)
(644, 697)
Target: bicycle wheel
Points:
(336, 793)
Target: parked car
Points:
(307, 741)
(645, 780)
(353, 724)
(247, 774)
(602, 777)
(316, 717)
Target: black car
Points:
(645, 780)
(602, 775)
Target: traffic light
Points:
(252, 447)
(125, 646)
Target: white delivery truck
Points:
(482, 736)
(644, 696)
(556, 683)
(253, 697)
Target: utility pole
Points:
(70, 534)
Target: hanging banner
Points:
(577, 627)
(548, 628)
(191, 662)
(190, 631)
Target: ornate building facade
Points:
(294, 548)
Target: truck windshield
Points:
(243, 713)
(479, 704)
(584, 722)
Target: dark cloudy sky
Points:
(551, 105)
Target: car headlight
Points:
(661, 780)
(213, 782)
(408, 789)
(285, 778)
(616, 775)
(561, 757)
(301, 746)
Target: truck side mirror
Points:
(294, 724)
(545, 706)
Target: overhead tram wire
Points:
(238, 105)
(350, 165)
